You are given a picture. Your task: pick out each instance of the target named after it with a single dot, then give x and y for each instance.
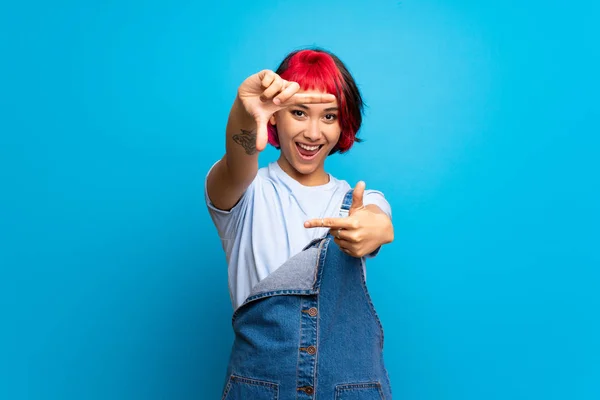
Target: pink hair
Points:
(317, 70)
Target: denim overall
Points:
(309, 331)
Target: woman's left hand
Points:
(363, 231)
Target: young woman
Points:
(296, 238)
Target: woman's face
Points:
(307, 133)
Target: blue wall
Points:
(482, 130)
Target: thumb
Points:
(262, 134)
(357, 197)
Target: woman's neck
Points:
(316, 178)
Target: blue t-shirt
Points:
(266, 227)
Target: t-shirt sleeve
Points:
(377, 198)
(228, 222)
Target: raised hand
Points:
(362, 231)
(265, 93)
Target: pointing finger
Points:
(333, 223)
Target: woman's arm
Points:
(258, 97)
(231, 176)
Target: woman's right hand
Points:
(265, 93)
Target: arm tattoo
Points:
(246, 139)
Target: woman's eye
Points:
(330, 117)
(298, 113)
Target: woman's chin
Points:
(302, 168)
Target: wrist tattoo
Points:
(246, 139)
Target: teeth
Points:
(309, 148)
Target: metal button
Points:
(311, 350)
(312, 312)
(309, 390)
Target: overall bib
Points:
(309, 331)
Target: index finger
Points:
(335, 223)
(309, 98)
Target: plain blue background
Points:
(481, 129)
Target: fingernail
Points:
(276, 101)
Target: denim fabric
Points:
(298, 274)
(309, 331)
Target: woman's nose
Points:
(313, 132)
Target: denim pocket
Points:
(359, 391)
(240, 388)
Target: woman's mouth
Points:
(308, 152)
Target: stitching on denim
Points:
(339, 389)
(278, 292)
(358, 385)
(320, 268)
(299, 338)
(312, 243)
(316, 282)
(387, 375)
(281, 292)
(308, 325)
(371, 305)
(316, 269)
(252, 381)
(271, 386)
(380, 392)
(318, 343)
(227, 388)
(320, 262)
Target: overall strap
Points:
(343, 212)
(346, 203)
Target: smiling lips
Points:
(308, 152)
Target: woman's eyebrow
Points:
(307, 108)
